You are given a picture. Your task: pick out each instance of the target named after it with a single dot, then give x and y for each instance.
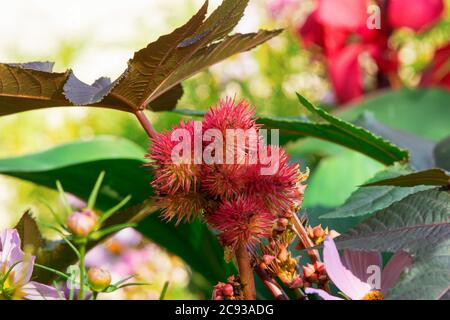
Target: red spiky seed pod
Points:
(179, 174)
(242, 221)
(181, 206)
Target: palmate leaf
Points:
(420, 149)
(442, 154)
(432, 177)
(30, 235)
(367, 200)
(428, 278)
(417, 221)
(420, 225)
(27, 87)
(153, 77)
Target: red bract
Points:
(340, 28)
(346, 74)
(243, 221)
(344, 14)
(417, 15)
(438, 73)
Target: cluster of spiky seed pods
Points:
(233, 197)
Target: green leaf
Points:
(368, 143)
(77, 165)
(421, 149)
(442, 154)
(421, 220)
(336, 177)
(365, 200)
(422, 112)
(428, 278)
(432, 177)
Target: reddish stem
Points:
(271, 284)
(304, 238)
(246, 272)
(145, 123)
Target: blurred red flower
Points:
(438, 73)
(343, 32)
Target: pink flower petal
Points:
(24, 270)
(394, 268)
(341, 276)
(10, 251)
(321, 293)
(417, 14)
(38, 291)
(346, 14)
(358, 262)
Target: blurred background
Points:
(96, 38)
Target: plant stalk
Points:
(246, 272)
(271, 285)
(82, 250)
(145, 123)
(304, 238)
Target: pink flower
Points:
(351, 273)
(16, 269)
(242, 221)
(417, 15)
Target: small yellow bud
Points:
(99, 279)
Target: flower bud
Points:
(82, 223)
(267, 258)
(281, 224)
(308, 270)
(296, 283)
(228, 290)
(318, 232)
(99, 279)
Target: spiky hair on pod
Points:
(170, 177)
(240, 138)
(181, 207)
(223, 180)
(282, 191)
(230, 115)
(241, 221)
